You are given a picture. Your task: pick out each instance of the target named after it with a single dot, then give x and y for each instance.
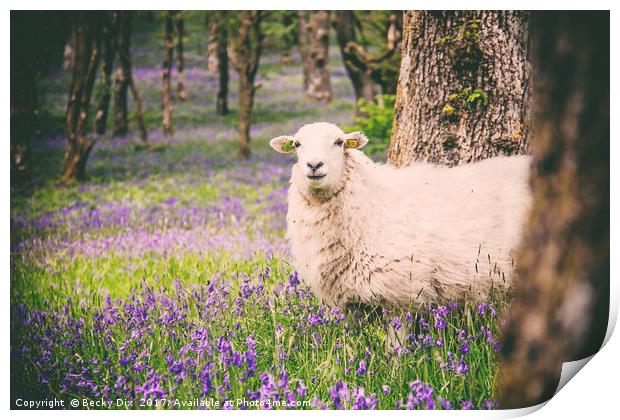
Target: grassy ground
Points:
(165, 276)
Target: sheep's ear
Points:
(283, 144)
(355, 140)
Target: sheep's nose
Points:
(314, 165)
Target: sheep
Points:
(371, 234)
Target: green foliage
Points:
(460, 102)
(371, 29)
(281, 30)
(375, 121)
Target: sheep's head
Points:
(321, 150)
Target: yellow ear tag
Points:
(351, 143)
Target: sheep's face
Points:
(321, 152)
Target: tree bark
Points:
(304, 47)
(363, 86)
(121, 80)
(319, 86)
(180, 31)
(125, 61)
(87, 31)
(166, 98)
(110, 45)
(561, 306)
(463, 89)
(69, 54)
(247, 47)
(220, 39)
(124, 81)
(212, 44)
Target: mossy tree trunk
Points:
(561, 306)
(463, 89)
(319, 87)
(247, 47)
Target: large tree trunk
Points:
(166, 97)
(363, 86)
(463, 90)
(180, 30)
(560, 310)
(319, 87)
(87, 31)
(110, 42)
(304, 47)
(247, 47)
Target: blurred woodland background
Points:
(139, 108)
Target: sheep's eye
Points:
(297, 145)
(339, 142)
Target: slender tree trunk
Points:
(166, 98)
(319, 87)
(463, 89)
(363, 86)
(247, 47)
(180, 30)
(87, 31)
(138, 104)
(124, 81)
(222, 60)
(560, 310)
(110, 41)
(121, 80)
(212, 44)
(246, 102)
(124, 54)
(69, 54)
(304, 47)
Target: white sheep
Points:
(372, 234)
